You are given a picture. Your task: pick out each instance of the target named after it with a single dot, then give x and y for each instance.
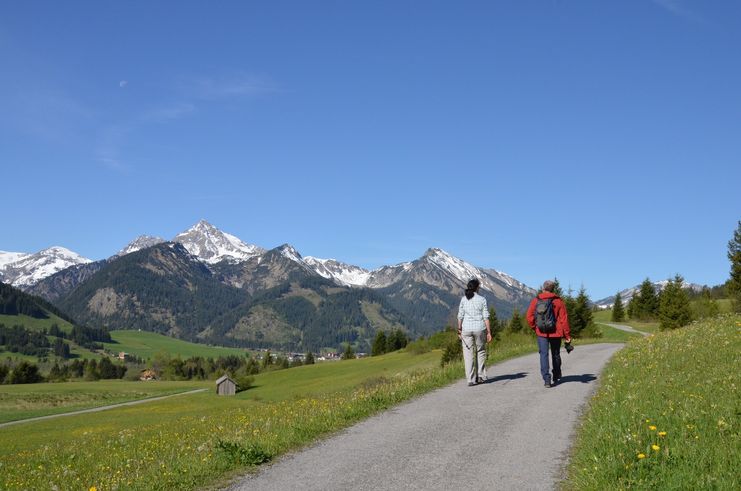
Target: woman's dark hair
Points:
(472, 288)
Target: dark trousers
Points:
(554, 344)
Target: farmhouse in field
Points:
(225, 386)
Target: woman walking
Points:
(474, 332)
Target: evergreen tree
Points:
(309, 358)
(557, 289)
(494, 323)
(25, 373)
(734, 255)
(396, 340)
(631, 308)
(646, 306)
(379, 344)
(580, 315)
(618, 313)
(267, 360)
(348, 354)
(91, 370)
(674, 311)
(515, 323)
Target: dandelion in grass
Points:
(662, 433)
(655, 447)
(652, 428)
(641, 456)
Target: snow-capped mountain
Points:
(141, 242)
(344, 274)
(211, 245)
(443, 270)
(10, 257)
(32, 268)
(627, 294)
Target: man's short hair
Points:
(549, 285)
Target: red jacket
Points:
(559, 310)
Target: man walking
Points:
(547, 316)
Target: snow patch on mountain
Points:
(10, 257)
(345, 274)
(212, 245)
(33, 268)
(141, 242)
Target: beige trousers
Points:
(474, 342)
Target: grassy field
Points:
(34, 324)
(146, 344)
(192, 440)
(666, 415)
(31, 400)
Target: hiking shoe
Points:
(471, 384)
(479, 380)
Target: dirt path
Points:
(96, 409)
(625, 328)
(510, 433)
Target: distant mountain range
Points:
(627, 294)
(207, 285)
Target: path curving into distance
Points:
(625, 328)
(100, 408)
(510, 433)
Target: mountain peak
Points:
(211, 245)
(31, 268)
(141, 242)
(290, 252)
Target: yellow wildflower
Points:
(641, 456)
(662, 433)
(655, 447)
(652, 428)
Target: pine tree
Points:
(580, 315)
(267, 360)
(646, 306)
(674, 311)
(515, 323)
(734, 255)
(631, 308)
(618, 313)
(379, 344)
(349, 354)
(309, 358)
(494, 322)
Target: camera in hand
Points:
(569, 347)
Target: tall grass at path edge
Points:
(666, 415)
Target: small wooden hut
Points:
(225, 386)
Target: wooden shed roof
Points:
(224, 378)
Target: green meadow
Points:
(192, 440)
(667, 414)
(35, 324)
(146, 344)
(32, 400)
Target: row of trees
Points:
(671, 306)
(386, 343)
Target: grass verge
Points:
(666, 415)
(33, 400)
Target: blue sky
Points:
(599, 142)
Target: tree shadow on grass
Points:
(509, 376)
(584, 378)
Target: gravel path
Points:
(510, 433)
(101, 408)
(625, 328)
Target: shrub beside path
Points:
(509, 433)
